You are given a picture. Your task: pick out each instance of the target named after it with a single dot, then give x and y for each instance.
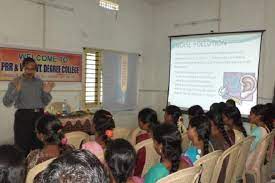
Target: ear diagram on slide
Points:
(248, 87)
(225, 94)
(238, 86)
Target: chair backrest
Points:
(151, 157)
(243, 154)
(270, 148)
(188, 175)
(266, 170)
(133, 135)
(121, 133)
(37, 169)
(238, 136)
(270, 157)
(185, 142)
(208, 163)
(75, 138)
(229, 157)
(263, 146)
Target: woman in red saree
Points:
(147, 120)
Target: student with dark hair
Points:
(199, 134)
(120, 157)
(48, 129)
(172, 114)
(218, 108)
(233, 120)
(220, 138)
(29, 95)
(79, 166)
(269, 115)
(195, 110)
(260, 116)
(167, 143)
(214, 106)
(12, 165)
(257, 117)
(231, 102)
(147, 121)
(102, 126)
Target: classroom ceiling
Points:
(156, 1)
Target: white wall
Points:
(87, 26)
(236, 15)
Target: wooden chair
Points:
(239, 173)
(75, 138)
(37, 169)
(229, 157)
(208, 163)
(262, 146)
(151, 157)
(187, 175)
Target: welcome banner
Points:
(51, 66)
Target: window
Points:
(92, 78)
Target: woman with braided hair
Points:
(199, 134)
(102, 126)
(232, 118)
(220, 138)
(173, 115)
(147, 121)
(48, 130)
(195, 110)
(167, 143)
(258, 116)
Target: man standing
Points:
(29, 95)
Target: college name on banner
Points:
(51, 66)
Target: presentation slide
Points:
(215, 67)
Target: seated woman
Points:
(79, 166)
(120, 157)
(173, 115)
(49, 131)
(258, 115)
(12, 165)
(232, 118)
(167, 143)
(231, 102)
(220, 139)
(194, 111)
(147, 120)
(102, 127)
(198, 133)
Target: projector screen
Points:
(210, 68)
